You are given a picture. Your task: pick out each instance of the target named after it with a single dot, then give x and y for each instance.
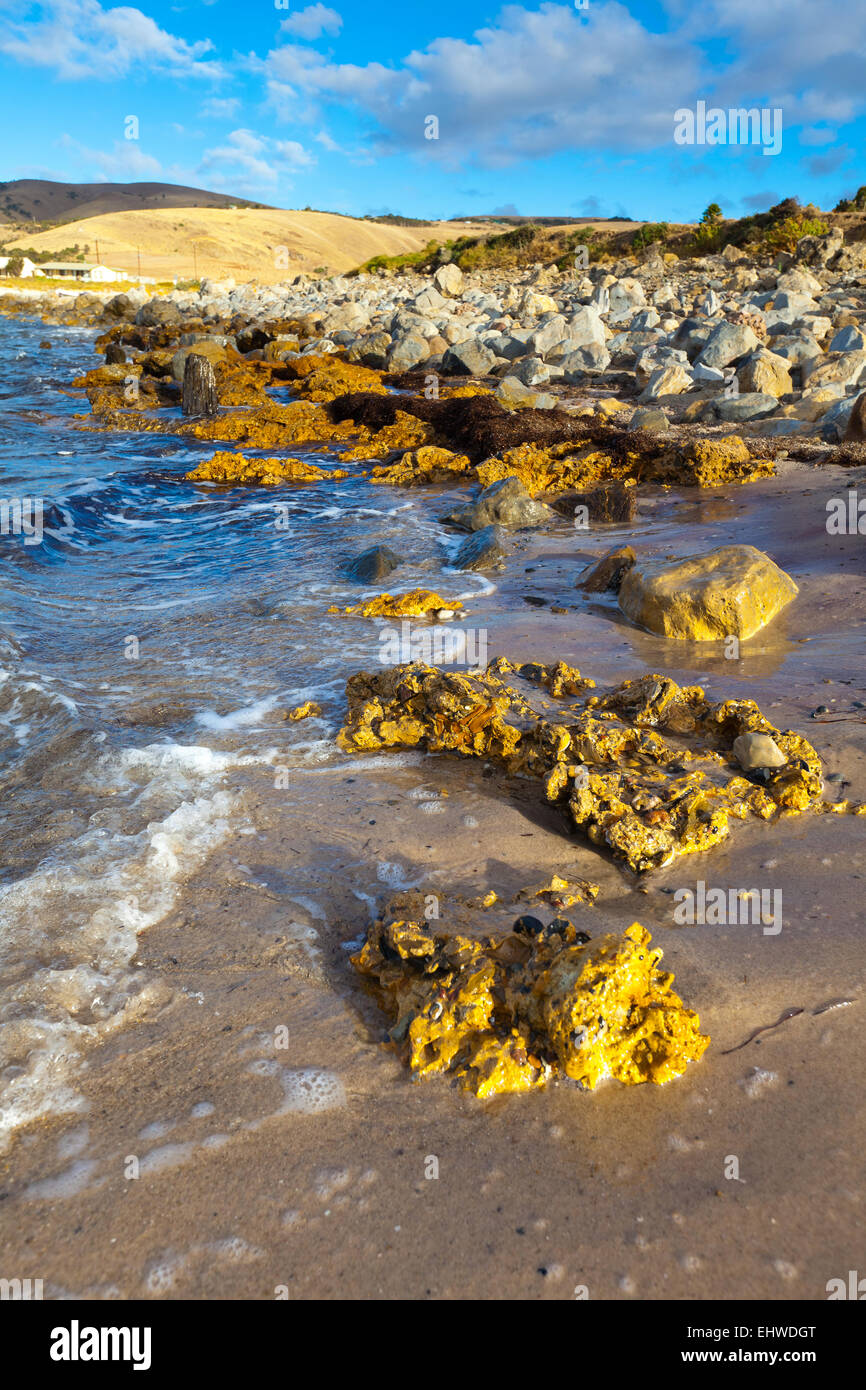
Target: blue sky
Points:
(543, 108)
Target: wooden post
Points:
(199, 386)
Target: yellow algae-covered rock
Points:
(278, 348)
(309, 710)
(609, 1011)
(271, 426)
(624, 456)
(234, 468)
(552, 469)
(322, 377)
(560, 679)
(507, 1013)
(609, 406)
(450, 392)
(709, 463)
(647, 771)
(407, 432)
(561, 892)
(733, 591)
(420, 467)
(417, 604)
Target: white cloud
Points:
(804, 56)
(534, 83)
(221, 108)
(292, 154)
(312, 22)
(328, 142)
(78, 39)
(258, 160)
(125, 162)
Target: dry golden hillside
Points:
(244, 243)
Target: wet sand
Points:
(282, 1149)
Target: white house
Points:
(27, 268)
(79, 270)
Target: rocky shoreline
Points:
(554, 394)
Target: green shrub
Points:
(784, 235)
(645, 236)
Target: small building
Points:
(65, 270)
(27, 266)
(80, 270)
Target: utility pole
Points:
(97, 251)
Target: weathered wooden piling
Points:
(199, 386)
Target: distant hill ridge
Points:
(41, 200)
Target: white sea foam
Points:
(239, 718)
(74, 923)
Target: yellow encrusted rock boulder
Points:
(513, 1010)
(730, 592)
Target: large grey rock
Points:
(671, 379)
(448, 280)
(503, 503)
(585, 327)
(531, 372)
(371, 351)
(547, 335)
(692, 336)
(797, 348)
(626, 295)
(511, 391)
(758, 750)
(726, 343)
(653, 420)
(791, 300)
(158, 313)
(625, 348)
(509, 345)
(847, 368)
(701, 372)
(482, 551)
(752, 405)
(350, 316)
(408, 352)
(834, 423)
(429, 301)
(373, 565)
(647, 318)
(120, 306)
(798, 280)
(469, 358)
(848, 339)
(592, 358)
(658, 355)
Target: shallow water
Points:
(150, 647)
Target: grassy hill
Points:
(264, 244)
(40, 200)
